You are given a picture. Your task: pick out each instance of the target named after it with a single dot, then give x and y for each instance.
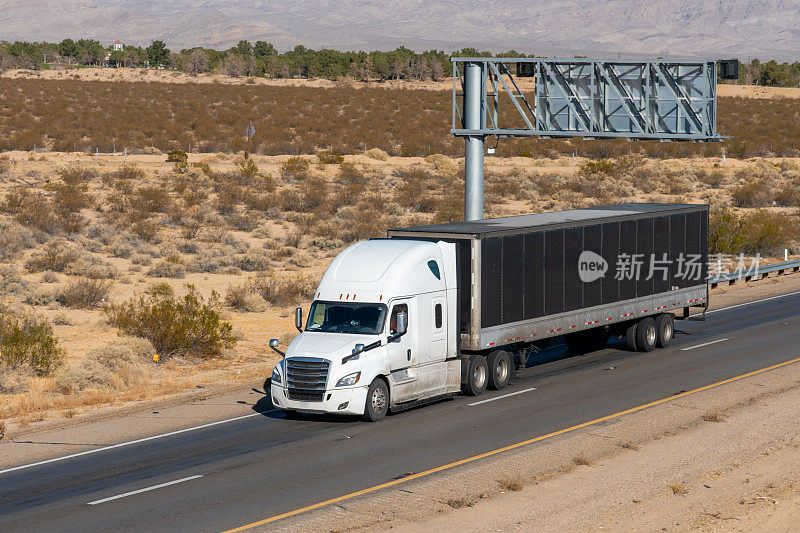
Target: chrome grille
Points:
(306, 378)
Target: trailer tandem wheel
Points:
(646, 335)
(499, 365)
(477, 378)
(665, 326)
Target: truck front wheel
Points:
(477, 377)
(499, 366)
(377, 401)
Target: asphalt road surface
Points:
(231, 474)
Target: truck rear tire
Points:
(499, 365)
(630, 336)
(665, 327)
(377, 401)
(477, 378)
(646, 335)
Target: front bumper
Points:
(354, 397)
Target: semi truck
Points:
(434, 311)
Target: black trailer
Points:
(619, 269)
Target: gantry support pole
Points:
(474, 78)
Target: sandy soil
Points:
(756, 91)
(150, 75)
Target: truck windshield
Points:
(346, 317)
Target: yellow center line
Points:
(503, 449)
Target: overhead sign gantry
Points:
(665, 100)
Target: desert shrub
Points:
(714, 179)
(311, 198)
(247, 171)
(329, 157)
(377, 153)
(32, 209)
(14, 381)
(123, 352)
(186, 326)
(242, 298)
(27, 341)
(91, 266)
(154, 199)
(451, 209)
(86, 374)
(147, 230)
(601, 166)
(177, 156)
(126, 172)
(751, 194)
(84, 293)
(167, 269)
(504, 187)
(415, 190)
(14, 238)
(349, 173)
(282, 291)
(786, 196)
(442, 164)
(760, 232)
(72, 194)
(56, 256)
(253, 260)
(294, 168)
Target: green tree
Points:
(158, 54)
(244, 48)
(68, 48)
(263, 49)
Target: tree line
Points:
(245, 59)
(263, 59)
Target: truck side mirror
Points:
(358, 349)
(273, 343)
(402, 323)
(298, 319)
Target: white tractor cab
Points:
(380, 334)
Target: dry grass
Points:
(583, 460)
(459, 503)
(714, 415)
(512, 484)
(678, 488)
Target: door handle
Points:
(409, 354)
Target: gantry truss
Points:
(665, 100)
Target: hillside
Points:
(745, 28)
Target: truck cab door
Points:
(400, 350)
(402, 359)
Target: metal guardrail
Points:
(760, 272)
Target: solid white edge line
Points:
(753, 302)
(154, 487)
(501, 397)
(137, 441)
(704, 344)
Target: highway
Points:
(234, 473)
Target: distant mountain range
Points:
(669, 28)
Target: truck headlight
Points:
(276, 376)
(349, 380)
